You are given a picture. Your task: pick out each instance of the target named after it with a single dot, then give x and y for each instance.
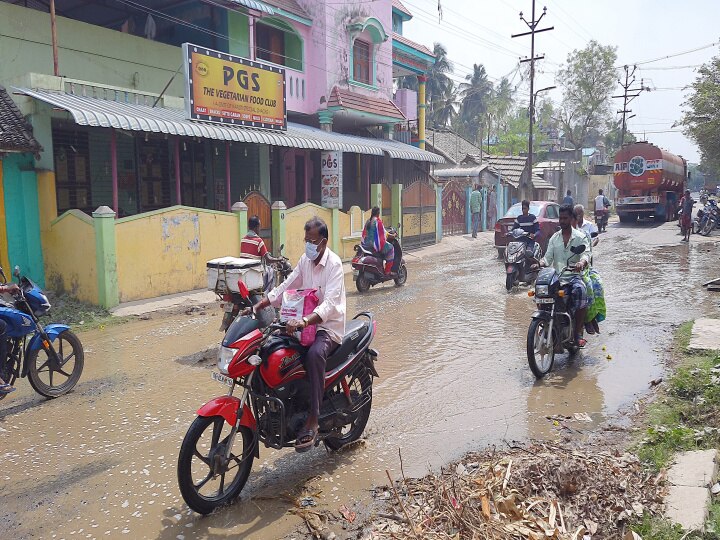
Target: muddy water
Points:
(100, 462)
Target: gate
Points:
(454, 199)
(418, 215)
(259, 206)
(386, 209)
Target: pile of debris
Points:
(540, 491)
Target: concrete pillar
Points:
(264, 158)
(396, 206)
(278, 209)
(422, 106)
(241, 209)
(326, 119)
(106, 259)
(376, 198)
(438, 213)
(335, 231)
(468, 214)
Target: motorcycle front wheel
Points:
(203, 469)
(540, 351)
(50, 379)
(509, 281)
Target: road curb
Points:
(690, 479)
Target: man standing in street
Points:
(475, 209)
(492, 208)
(686, 203)
(322, 270)
(568, 199)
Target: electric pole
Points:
(628, 95)
(532, 25)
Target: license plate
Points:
(544, 300)
(222, 379)
(356, 273)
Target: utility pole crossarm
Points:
(627, 96)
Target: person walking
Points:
(568, 199)
(492, 208)
(475, 209)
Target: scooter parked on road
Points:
(552, 328)
(519, 259)
(369, 269)
(218, 450)
(51, 357)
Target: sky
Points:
(478, 31)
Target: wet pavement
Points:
(100, 462)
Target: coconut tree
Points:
(475, 95)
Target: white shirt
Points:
(329, 279)
(600, 202)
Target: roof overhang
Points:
(373, 26)
(89, 111)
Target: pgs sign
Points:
(227, 89)
(331, 172)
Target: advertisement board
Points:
(331, 171)
(227, 89)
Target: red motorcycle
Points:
(218, 450)
(369, 269)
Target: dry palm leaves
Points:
(540, 491)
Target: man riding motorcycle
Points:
(321, 269)
(529, 223)
(557, 255)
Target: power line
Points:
(628, 95)
(675, 55)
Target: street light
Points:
(535, 97)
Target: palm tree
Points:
(444, 109)
(475, 95)
(501, 106)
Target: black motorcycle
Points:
(519, 259)
(552, 328)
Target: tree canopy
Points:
(701, 119)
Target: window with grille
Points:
(72, 169)
(361, 61)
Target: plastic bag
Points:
(299, 303)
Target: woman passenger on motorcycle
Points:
(374, 237)
(596, 294)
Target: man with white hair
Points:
(588, 227)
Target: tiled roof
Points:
(291, 6)
(397, 4)
(15, 132)
(510, 167)
(359, 102)
(411, 43)
(449, 144)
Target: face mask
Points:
(311, 251)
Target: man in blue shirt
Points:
(529, 223)
(568, 199)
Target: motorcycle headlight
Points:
(541, 290)
(225, 356)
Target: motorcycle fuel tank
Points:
(282, 366)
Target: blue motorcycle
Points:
(51, 356)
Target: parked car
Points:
(547, 214)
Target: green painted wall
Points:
(239, 31)
(23, 216)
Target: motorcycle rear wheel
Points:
(358, 382)
(362, 283)
(241, 462)
(402, 276)
(509, 281)
(708, 227)
(75, 357)
(540, 359)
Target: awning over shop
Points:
(90, 111)
(460, 172)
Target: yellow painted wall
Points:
(165, 252)
(70, 262)
(295, 219)
(4, 259)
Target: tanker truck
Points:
(650, 182)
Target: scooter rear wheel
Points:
(402, 276)
(362, 283)
(202, 469)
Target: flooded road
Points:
(100, 462)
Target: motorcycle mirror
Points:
(593, 234)
(2, 275)
(577, 250)
(282, 246)
(16, 273)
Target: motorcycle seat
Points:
(355, 331)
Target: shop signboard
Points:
(331, 172)
(227, 89)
